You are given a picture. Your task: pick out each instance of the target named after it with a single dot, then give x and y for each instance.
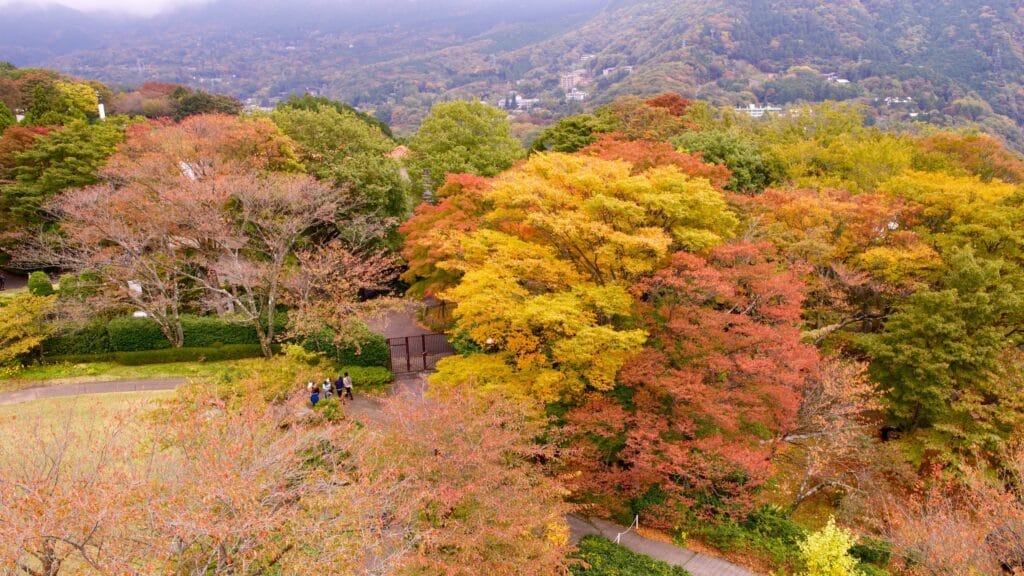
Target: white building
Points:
(576, 95)
(755, 111)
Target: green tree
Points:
(339, 146)
(569, 134)
(194, 102)
(941, 357)
(309, 102)
(66, 158)
(6, 117)
(751, 170)
(462, 137)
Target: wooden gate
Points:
(418, 353)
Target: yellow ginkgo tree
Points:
(542, 302)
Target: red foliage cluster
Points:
(646, 154)
(979, 154)
(675, 104)
(429, 233)
(718, 387)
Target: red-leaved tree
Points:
(701, 411)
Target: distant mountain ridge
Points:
(944, 61)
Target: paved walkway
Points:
(398, 323)
(695, 563)
(82, 389)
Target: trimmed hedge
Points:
(204, 331)
(135, 335)
(165, 356)
(372, 350)
(606, 558)
(89, 339)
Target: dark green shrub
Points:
(79, 286)
(214, 354)
(89, 339)
(772, 522)
(166, 355)
(368, 377)
(135, 335)
(202, 331)
(329, 409)
(370, 349)
(80, 358)
(39, 284)
(872, 551)
(606, 558)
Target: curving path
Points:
(85, 388)
(693, 562)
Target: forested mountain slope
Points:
(945, 62)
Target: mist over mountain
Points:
(945, 62)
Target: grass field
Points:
(78, 408)
(11, 293)
(55, 374)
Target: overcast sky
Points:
(134, 7)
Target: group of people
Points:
(342, 389)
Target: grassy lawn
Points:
(11, 293)
(54, 374)
(77, 408)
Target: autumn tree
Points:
(23, 329)
(432, 234)
(444, 486)
(67, 500)
(645, 154)
(245, 255)
(462, 137)
(135, 241)
(705, 406)
(544, 280)
(166, 196)
(639, 119)
(833, 434)
(980, 155)
(230, 479)
(70, 157)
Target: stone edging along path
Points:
(695, 563)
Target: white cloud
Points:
(132, 7)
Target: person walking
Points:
(326, 388)
(346, 382)
(339, 385)
(314, 396)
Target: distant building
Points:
(573, 79)
(755, 111)
(614, 69)
(576, 95)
